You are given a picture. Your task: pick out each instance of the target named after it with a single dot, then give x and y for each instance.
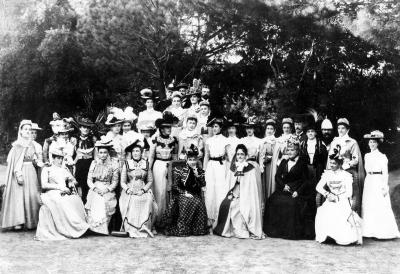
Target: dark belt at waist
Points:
(218, 159)
(375, 172)
(252, 159)
(165, 160)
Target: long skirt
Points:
(357, 191)
(81, 172)
(266, 180)
(216, 188)
(186, 216)
(61, 217)
(160, 187)
(233, 224)
(377, 214)
(284, 217)
(138, 214)
(339, 222)
(21, 202)
(99, 210)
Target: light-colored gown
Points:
(60, 216)
(378, 218)
(138, 212)
(180, 113)
(266, 153)
(216, 185)
(164, 149)
(244, 217)
(336, 219)
(101, 208)
(20, 204)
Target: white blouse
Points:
(217, 145)
(376, 161)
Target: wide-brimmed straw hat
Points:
(35, 126)
(216, 120)
(147, 93)
(104, 141)
(57, 151)
(375, 134)
(115, 116)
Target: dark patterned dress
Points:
(186, 216)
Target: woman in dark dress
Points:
(186, 215)
(84, 154)
(287, 207)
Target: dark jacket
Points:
(185, 180)
(296, 178)
(320, 156)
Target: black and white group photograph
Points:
(199, 136)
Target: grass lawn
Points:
(19, 253)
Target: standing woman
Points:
(280, 150)
(149, 115)
(232, 128)
(176, 109)
(62, 214)
(215, 164)
(163, 151)
(267, 148)
(84, 154)
(352, 160)
(190, 136)
(20, 207)
(377, 214)
(203, 117)
(240, 213)
(286, 207)
(335, 218)
(38, 147)
(114, 123)
(137, 203)
(128, 132)
(102, 180)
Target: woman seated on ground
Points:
(102, 180)
(186, 214)
(335, 219)
(287, 207)
(240, 212)
(62, 214)
(137, 204)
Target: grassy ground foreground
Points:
(19, 253)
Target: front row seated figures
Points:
(186, 214)
(137, 204)
(335, 218)
(102, 180)
(240, 214)
(62, 214)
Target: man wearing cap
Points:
(327, 133)
(349, 151)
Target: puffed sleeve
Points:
(322, 183)
(115, 177)
(124, 176)
(90, 182)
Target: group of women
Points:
(186, 172)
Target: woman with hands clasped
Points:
(137, 204)
(102, 180)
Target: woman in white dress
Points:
(267, 149)
(335, 219)
(149, 115)
(62, 214)
(215, 164)
(176, 109)
(378, 218)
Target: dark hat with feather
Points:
(168, 120)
